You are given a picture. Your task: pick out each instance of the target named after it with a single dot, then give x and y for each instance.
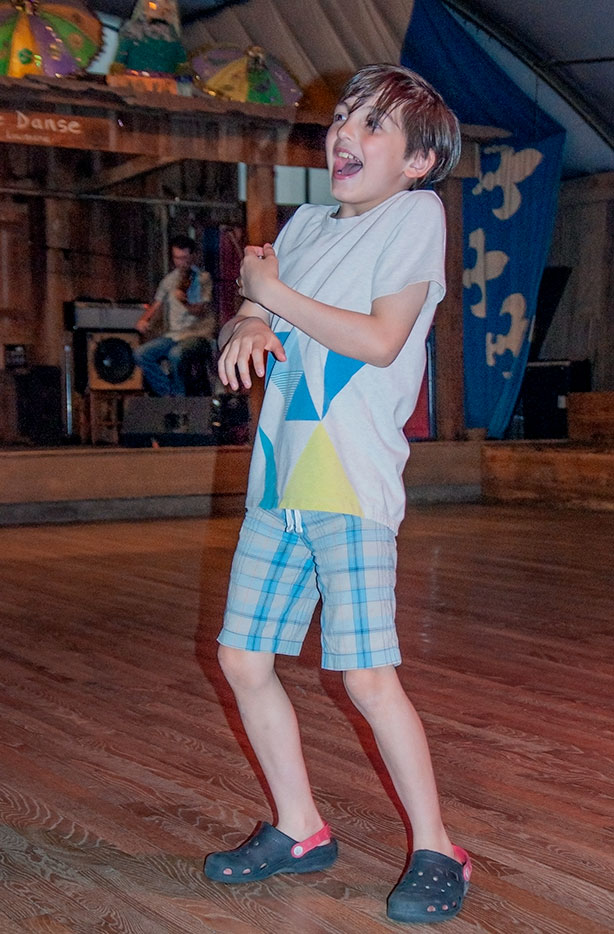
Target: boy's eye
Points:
(338, 116)
(373, 123)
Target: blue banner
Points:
(508, 208)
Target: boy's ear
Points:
(419, 164)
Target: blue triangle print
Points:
(269, 496)
(271, 359)
(338, 371)
(302, 409)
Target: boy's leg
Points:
(378, 695)
(272, 729)
(356, 573)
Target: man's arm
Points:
(197, 309)
(201, 309)
(376, 338)
(144, 322)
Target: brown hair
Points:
(420, 111)
(182, 242)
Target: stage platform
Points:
(73, 484)
(80, 483)
(560, 473)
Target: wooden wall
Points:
(583, 326)
(57, 249)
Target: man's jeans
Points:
(164, 380)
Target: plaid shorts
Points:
(286, 560)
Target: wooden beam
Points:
(127, 170)
(261, 226)
(261, 210)
(449, 376)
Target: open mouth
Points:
(345, 164)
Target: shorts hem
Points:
(237, 640)
(380, 659)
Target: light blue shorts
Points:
(286, 560)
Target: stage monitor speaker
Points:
(169, 421)
(39, 405)
(545, 388)
(110, 361)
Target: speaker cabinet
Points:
(543, 395)
(168, 421)
(110, 361)
(39, 405)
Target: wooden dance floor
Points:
(121, 765)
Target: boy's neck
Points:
(349, 210)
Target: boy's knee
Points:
(370, 688)
(244, 670)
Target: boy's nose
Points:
(346, 128)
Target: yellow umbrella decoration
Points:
(48, 37)
(244, 75)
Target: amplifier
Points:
(102, 316)
(168, 421)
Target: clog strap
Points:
(322, 836)
(463, 858)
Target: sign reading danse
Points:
(49, 129)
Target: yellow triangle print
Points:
(319, 481)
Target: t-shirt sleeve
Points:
(414, 250)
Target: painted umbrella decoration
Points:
(47, 37)
(250, 75)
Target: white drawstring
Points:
(294, 522)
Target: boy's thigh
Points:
(272, 592)
(355, 562)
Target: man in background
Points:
(183, 297)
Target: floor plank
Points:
(122, 761)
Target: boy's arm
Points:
(376, 338)
(244, 339)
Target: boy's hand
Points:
(249, 341)
(259, 267)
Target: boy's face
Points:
(366, 158)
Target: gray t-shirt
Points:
(178, 322)
(330, 435)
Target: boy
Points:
(343, 304)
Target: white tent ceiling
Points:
(564, 44)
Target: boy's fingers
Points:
(242, 367)
(258, 361)
(276, 347)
